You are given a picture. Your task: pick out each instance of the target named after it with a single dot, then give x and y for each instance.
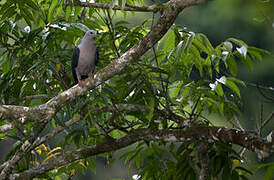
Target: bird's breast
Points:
(86, 63)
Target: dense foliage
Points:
(178, 83)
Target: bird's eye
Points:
(91, 32)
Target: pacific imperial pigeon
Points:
(84, 57)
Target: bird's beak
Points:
(99, 32)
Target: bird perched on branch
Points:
(84, 57)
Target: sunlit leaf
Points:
(229, 83)
(51, 9)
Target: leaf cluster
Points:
(181, 80)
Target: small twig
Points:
(61, 80)
(41, 82)
(37, 96)
(261, 120)
(100, 128)
(260, 86)
(112, 33)
(270, 99)
(57, 130)
(243, 150)
(164, 88)
(263, 124)
(238, 122)
(194, 108)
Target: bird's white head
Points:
(88, 38)
(91, 33)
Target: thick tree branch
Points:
(6, 127)
(24, 114)
(203, 158)
(153, 8)
(58, 129)
(210, 134)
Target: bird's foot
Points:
(79, 81)
(90, 74)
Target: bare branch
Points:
(24, 114)
(263, 124)
(58, 129)
(6, 127)
(36, 96)
(228, 135)
(203, 158)
(259, 86)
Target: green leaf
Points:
(68, 12)
(51, 10)
(259, 50)
(235, 175)
(219, 89)
(130, 155)
(174, 89)
(260, 166)
(256, 53)
(6, 64)
(53, 124)
(151, 109)
(185, 44)
(80, 26)
(242, 169)
(9, 12)
(122, 4)
(158, 151)
(232, 65)
(269, 174)
(240, 43)
(91, 164)
(167, 43)
(27, 15)
(138, 160)
(246, 61)
(76, 12)
(32, 4)
(2, 136)
(229, 83)
(236, 81)
(206, 41)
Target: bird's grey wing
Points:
(96, 56)
(74, 62)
